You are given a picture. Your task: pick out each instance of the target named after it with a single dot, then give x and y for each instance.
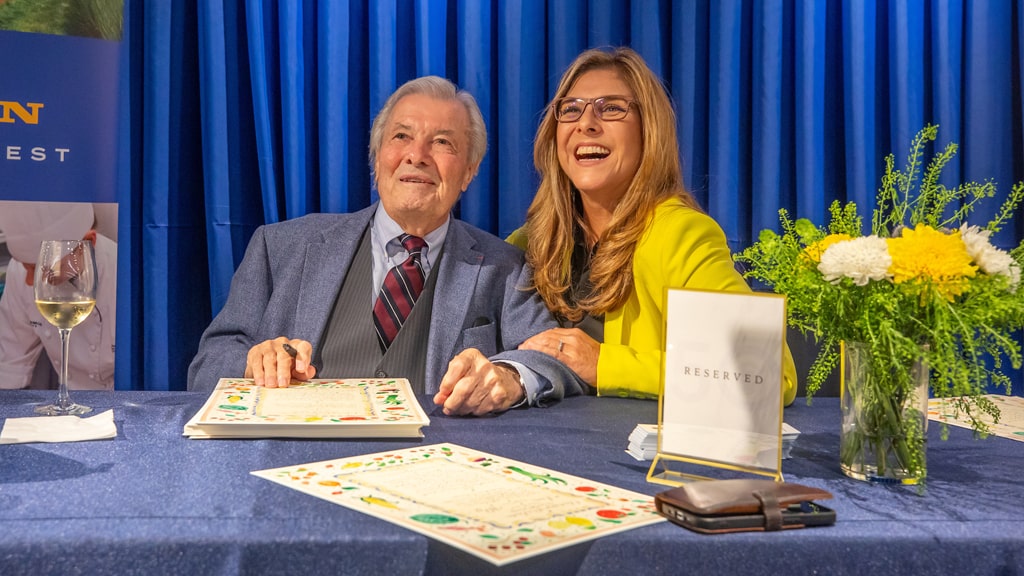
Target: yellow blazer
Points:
(682, 248)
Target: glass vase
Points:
(885, 418)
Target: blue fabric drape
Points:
(163, 248)
(243, 112)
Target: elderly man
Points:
(24, 333)
(397, 289)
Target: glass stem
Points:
(63, 400)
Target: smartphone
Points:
(800, 515)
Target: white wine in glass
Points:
(65, 291)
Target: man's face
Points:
(423, 163)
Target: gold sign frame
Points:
(751, 318)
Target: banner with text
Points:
(59, 104)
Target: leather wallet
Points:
(714, 506)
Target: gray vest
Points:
(349, 346)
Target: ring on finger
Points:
(561, 345)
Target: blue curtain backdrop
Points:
(244, 112)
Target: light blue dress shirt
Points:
(388, 252)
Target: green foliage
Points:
(88, 18)
(40, 16)
(953, 333)
(96, 18)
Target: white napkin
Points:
(58, 428)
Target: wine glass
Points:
(65, 291)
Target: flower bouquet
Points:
(924, 301)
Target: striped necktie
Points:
(402, 286)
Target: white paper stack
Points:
(346, 408)
(789, 435)
(643, 442)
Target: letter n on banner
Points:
(722, 385)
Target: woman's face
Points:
(600, 156)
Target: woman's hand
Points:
(572, 347)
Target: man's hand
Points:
(474, 385)
(572, 347)
(270, 364)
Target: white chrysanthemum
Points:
(861, 259)
(990, 259)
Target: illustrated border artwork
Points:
(353, 407)
(1011, 415)
(494, 508)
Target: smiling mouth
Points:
(592, 152)
(415, 180)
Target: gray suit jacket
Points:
(292, 271)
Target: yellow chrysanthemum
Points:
(814, 251)
(925, 254)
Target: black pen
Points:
(291, 351)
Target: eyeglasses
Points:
(605, 108)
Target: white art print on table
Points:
(1011, 415)
(498, 509)
(352, 407)
(722, 399)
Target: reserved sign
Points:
(722, 395)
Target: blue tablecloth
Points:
(154, 502)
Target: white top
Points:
(24, 333)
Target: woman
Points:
(612, 227)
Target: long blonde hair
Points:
(553, 218)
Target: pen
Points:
(291, 351)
